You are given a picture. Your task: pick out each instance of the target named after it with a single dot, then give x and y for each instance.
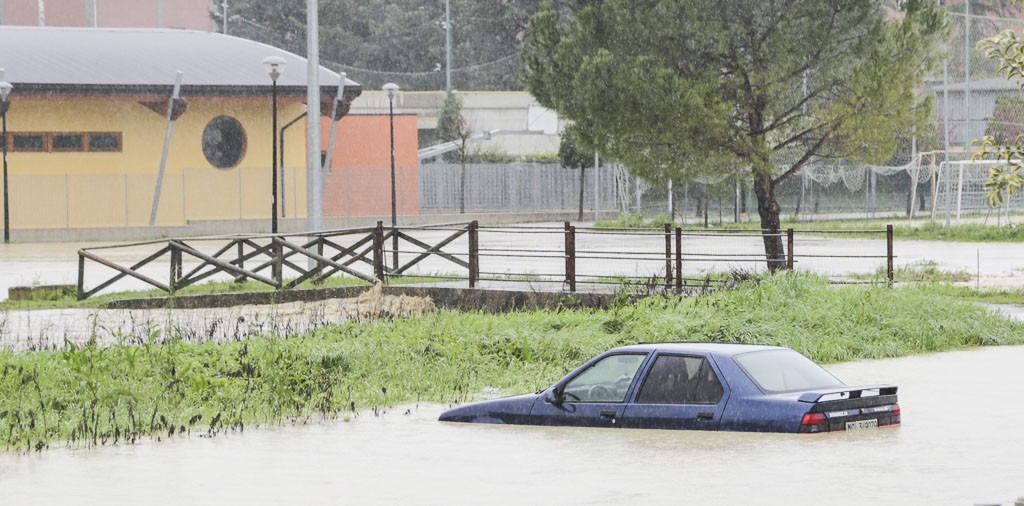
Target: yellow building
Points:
(88, 119)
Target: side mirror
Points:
(554, 396)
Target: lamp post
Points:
(392, 89)
(274, 66)
(5, 92)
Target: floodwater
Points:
(960, 443)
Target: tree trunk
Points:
(768, 209)
(579, 216)
(462, 183)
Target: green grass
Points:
(208, 288)
(91, 396)
(920, 231)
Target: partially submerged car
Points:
(699, 386)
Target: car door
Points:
(678, 392)
(593, 397)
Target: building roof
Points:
(990, 84)
(117, 61)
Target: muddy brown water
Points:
(960, 443)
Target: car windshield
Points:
(777, 371)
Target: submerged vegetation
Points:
(93, 395)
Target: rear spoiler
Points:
(850, 393)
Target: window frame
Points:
(116, 135)
(50, 136)
(12, 135)
(654, 362)
(644, 358)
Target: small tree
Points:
(452, 126)
(572, 156)
(1007, 142)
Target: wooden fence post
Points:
(679, 260)
(789, 249)
(474, 253)
(890, 272)
(570, 256)
(241, 260)
(378, 252)
(175, 267)
(278, 253)
(81, 276)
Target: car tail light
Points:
(814, 422)
(894, 415)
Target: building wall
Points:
(115, 189)
(56, 190)
(190, 14)
(360, 182)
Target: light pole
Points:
(5, 92)
(274, 66)
(392, 90)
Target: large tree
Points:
(762, 86)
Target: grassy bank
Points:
(919, 231)
(89, 396)
(208, 288)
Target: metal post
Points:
(7, 211)
(447, 47)
(679, 260)
(378, 252)
(474, 253)
(570, 256)
(668, 255)
(394, 206)
(789, 249)
(314, 172)
(890, 274)
(597, 187)
(171, 117)
(273, 190)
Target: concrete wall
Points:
(190, 14)
(483, 110)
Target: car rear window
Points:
(777, 371)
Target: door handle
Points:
(608, 414)
(704, 415)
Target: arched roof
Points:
(118, 61)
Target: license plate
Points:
(862, 424)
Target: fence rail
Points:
(674, 257)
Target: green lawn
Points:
(89, 396)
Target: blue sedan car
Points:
(699, 386)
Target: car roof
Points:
(725, 349)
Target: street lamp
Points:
(274, 65)
(392, 89)
(5, 92)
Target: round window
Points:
(224, 142)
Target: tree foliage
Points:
(403, 41)
(762, 87)
(1007, 49)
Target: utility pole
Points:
(314, 172)
(224, 5)
(447, 47)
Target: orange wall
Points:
(191, 14)
(360, 180)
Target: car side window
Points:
(605, 381)
(675, 379)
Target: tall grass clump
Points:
(86, 396)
